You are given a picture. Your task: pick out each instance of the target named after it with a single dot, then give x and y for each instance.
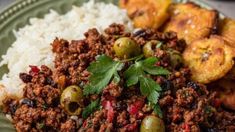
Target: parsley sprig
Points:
(102, 71)
(138, 72)
(105, 69)
(90, 108)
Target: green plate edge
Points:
(18, 14)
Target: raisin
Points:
(204, 129)
(28, 102)
(139, 33)
(167, 85)
(50, 81)
(12, 108)
(26, 78)
(193, 85)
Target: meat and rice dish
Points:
(184, 105)
(174, 72)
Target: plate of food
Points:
(116, 66)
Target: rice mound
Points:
(32, 45)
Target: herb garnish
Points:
(138, 72)
(157, 110)
(90, 108)
(102, 71)
(106, 69)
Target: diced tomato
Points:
(84, 123)
(186, 127)
(34, 70)
(110, 115)
(139, 103)
(108, 106)
(133, 109)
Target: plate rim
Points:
(13, 8)
(21, 4)
(18, 5)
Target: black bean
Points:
(205, 129)
(167, 85)
(139, 33)
(28, 102)
(193, 85)
(50, 81)
(12, 108)
(26, 78)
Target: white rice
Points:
(32, 45)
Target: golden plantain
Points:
(208, 59)
(191, 22)
(227, 30)
(147, 13)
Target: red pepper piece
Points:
(186, 127)
(133, 109)
(34, 70)
(108, 106)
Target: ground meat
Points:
(39, 110)
(186, 106)
(122, 119)
(115, 29)
(40, 88)
(193, 110)
(10, 105)
(186, 96)
(113, 89)
(68, 126)
(167, 100)
(24, 116)
(73, 58)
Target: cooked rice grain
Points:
(32, 46)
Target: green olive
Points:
(152, 123)
(149, 48)
(126, 48)
(71, 100)
(175, 58)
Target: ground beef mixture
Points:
(186, 105)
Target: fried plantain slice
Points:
(147, 13)
(191, 22)
(227, 30)
(209, 59)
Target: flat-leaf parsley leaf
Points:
(138, 73)
(90, 108)
(102, 71)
